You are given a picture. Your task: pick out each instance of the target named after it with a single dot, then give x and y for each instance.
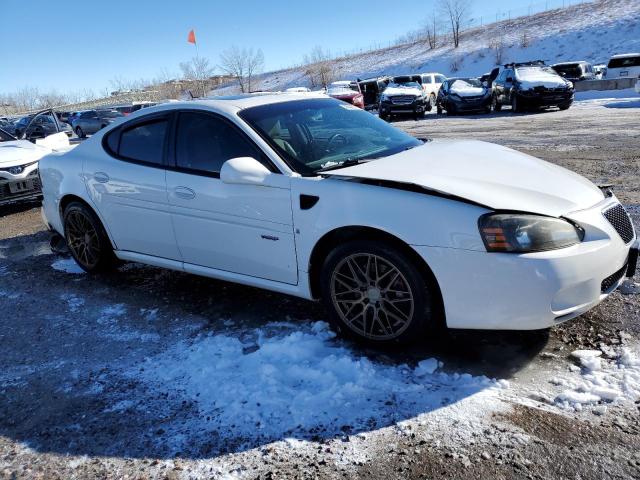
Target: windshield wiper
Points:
(346, 163)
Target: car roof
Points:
(625, 55)
(240, 102)
(577, 62)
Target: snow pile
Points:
(271, 385)
(601, 380)
(465, 89)
(67, 265)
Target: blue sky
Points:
(67, 47)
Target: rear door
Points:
(244, 229)
(127, 183)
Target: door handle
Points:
(184, 192)
(101, 177)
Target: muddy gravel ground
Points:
(146, 373)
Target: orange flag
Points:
(192, 37)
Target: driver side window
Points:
(204, 142)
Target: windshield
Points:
(315, 134)
(407, 84)
(533, 73)
(342, 88)
(465, 83)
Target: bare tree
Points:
(197, 70)
(457, 12)
(243, 64)
(497, 47)
(431, 28)
(320, 69)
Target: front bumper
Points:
(20, 189)
(545, 99)
(502, 291)
(417, 106)
(472, 105)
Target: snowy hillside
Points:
(592, 31)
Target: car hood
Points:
(491, 175)
(19, 152)
(389, 91)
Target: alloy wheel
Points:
(372, 296)
(82, 239)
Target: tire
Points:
(451, 109)
(87, 240)
(383, 116)
(497, 106)
(80, 133)
(379, 314)
(564, 106)
(439, 110)
(515, 106)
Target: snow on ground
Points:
(287, 380)
(67, 265)
(592, 31)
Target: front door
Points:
(244, 229)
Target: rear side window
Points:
(624, 62)
(440, 78)
(145, 142)
(426, 79)
(204, 142)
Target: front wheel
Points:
(79, 132)
(87, 239)
(497, 106)
(375, 294)
(564, 106)
(515, 105)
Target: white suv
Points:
(623, 66)
(431, 84)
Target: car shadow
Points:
(145, 362)
(19, 207)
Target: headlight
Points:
(522, 233)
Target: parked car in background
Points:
(460, 95)
(133, 107)
(622, 66)
(90, 121)
(347, 91)
(371, 89)
(575, 71)
(19, 156)
(431, 83)
(297, 90)
(64, 116)
(403, 96)
(297, 194)
(531, 85)
(40, 126)
(599, 71)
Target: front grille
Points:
(402, 99)
(618, 218)
(611, 280)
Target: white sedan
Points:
(310, 196)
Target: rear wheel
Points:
(87, 240)
(375, 294)
(79, 132)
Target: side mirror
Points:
(244, 171)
